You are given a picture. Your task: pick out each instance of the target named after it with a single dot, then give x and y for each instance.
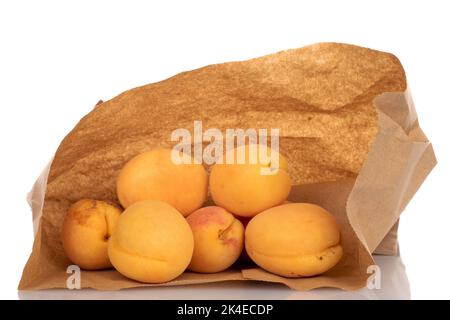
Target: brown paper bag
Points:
(347, 128)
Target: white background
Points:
(58, 58)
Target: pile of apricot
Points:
(161, 229)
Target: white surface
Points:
(394, 285)
(57, 59)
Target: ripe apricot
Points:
(152, 242)
(153, 175)
(294, 240)
(85, 232)
(218, 239)
(245, 189)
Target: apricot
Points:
(294, 240)
(152, 242)
(218, 239)
(154, 176)
(86, 229)
(243, 188)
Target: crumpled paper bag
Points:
(348, 129)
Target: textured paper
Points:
(348, 129)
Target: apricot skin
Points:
(244, 191)
(85, 232)
(152, 242)
(153, 176)
(218, 239)
(294, 240)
